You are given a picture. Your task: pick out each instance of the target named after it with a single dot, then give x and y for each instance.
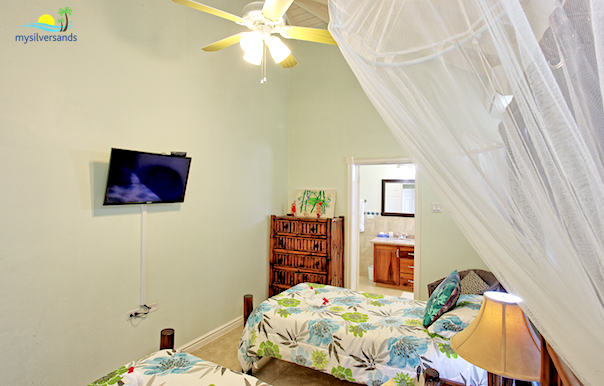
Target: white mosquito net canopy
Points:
(500, 103)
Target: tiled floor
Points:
(223, 351)
(369, 286)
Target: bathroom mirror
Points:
(398, 198)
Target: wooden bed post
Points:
(166, 339)
(248, 306)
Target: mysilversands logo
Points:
(47, 23)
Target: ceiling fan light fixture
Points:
(265, 18)
(253, 57)
(278, 49)
(251, 41)
(253, 45)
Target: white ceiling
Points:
(308, 13)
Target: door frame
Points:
(352, 219)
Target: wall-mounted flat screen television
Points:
(137, 177)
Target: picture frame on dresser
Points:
(305, 250)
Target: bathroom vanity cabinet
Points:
(393, 264)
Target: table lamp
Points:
(501, 341)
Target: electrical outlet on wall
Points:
(141, 311)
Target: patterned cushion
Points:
(472, 284)
(443, 298)
(458, 318)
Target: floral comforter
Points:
(170, 368)
(359, 337)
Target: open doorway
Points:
(369, 216)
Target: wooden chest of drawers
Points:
(305, 250)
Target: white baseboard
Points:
(212, 335)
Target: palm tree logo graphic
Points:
(47, 22)
(66, 11)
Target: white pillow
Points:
(452, 322)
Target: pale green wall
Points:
(330, 119)
(444, 247)
(69, 268)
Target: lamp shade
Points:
(500, 339)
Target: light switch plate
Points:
(437, 207)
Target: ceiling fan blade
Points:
(275, 9)
(224, 43)
(289, 62)
(210, 10)
(316, 35)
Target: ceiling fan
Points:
(265, 19)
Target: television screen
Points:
(145, 178)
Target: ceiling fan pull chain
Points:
(263, 66)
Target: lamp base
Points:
(498, 380)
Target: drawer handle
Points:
(410, 281)
(411, 253)
(410, 266)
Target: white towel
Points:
(362, 216)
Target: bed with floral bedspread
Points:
(171, 368)
(357, 336)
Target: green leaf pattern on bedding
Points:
(358, 336)
(269, 349)
(342, 373)
(112, 378)
(403, 379)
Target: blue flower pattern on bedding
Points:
(406, 351)
(321, 331)
(416, 312)
(451, 324)
(256, 315)
(177, 363)
(348, 301)
(390, 321)
(301, 357)
(376, 379)
(169, 367)
(360, 336)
